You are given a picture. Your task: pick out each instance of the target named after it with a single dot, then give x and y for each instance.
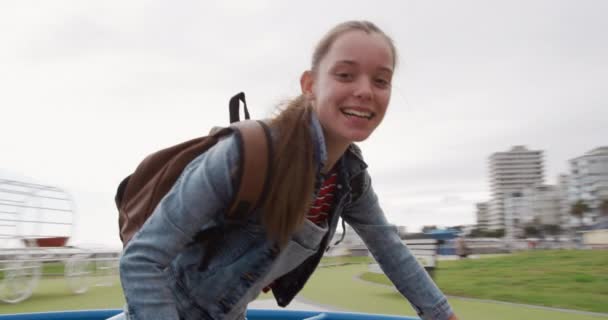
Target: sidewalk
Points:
(473, 256)
(296, 304)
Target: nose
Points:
(363, 89)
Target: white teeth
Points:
(357, 113)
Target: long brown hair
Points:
(292, 185)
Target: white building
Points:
(482, 214)
(543, 204)
(514, 208)
(563, 181)
(510, 172)
(535, 205)
(589, 180)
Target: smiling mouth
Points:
(356, 113)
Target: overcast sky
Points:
(88, 88)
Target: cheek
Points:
(322, 108)
(326, 101)
(326, 112)
(384, 99)
(330, 91)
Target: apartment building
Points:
(510, 172)
(588, 180)
(482, 214)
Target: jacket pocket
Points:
(309, 235)
(230, 245)
(290, 257)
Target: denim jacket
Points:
(161, 271)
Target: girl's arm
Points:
(197, 199)
(398, 263)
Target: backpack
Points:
(139, 193)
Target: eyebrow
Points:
(353, 63)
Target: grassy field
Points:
(339, 286)
(564, 279)
(328, 261)
(53, 294)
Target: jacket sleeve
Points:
(199, 196)
(395, 259)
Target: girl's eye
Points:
(344, 75)
(383, 83)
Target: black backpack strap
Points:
(234, 107)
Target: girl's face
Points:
(351, 89)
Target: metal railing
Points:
(36, 222)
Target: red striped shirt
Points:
(325, 199)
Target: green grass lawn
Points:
(564, 279)
(336, 287)
(340, 287)
(53, 294)
(328, 261)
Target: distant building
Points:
(510, 172)
(352, 244)
(466, 229)
(402, 231)
(543, 204)
(589, 179)
(563, 181)
(482, 214)
(534, 205)
(514, 209)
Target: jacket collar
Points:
(351, 161)
(318, 138)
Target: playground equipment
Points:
(252, 314)
(36, 222)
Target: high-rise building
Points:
(542, 204)
(514, 206)
(536, 205)
(563, 181)
(482, 215)
(589, 179)
(510, 172)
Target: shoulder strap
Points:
(255, 169)
(233, 106)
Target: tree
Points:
(457, 228)
(604, 208)
(578, 210)
(427, 229)
(498, 233)
(477, 233)
(531, 231)
(552, 229)
(484, 233)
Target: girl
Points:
(344, 97)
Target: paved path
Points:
(297, 304)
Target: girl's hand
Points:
(453, 317)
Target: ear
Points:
(306, 83)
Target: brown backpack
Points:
(139, 193)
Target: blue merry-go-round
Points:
(252, 314)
